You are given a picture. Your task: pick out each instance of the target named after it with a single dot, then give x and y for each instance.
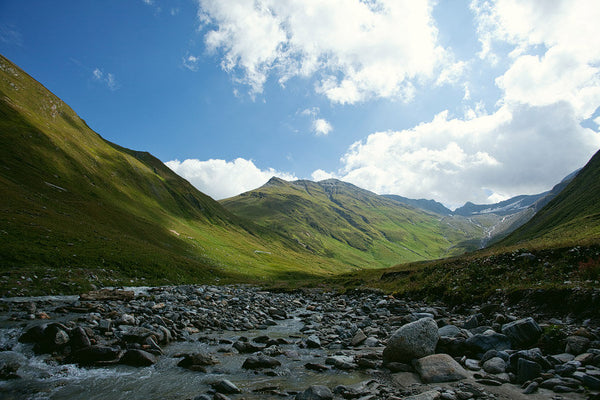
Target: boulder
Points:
(138, 358)
(439, 368)
(494, 365)
(197, 361)
(260, 361)
(522, 333)
(527, 370)
(482, 342)
(96, 355)
(226, 387)
(413, 340)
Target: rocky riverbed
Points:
(238, 342)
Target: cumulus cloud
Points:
(320, 126)
(222, 179)
(107, 78)
(556, 50)
(356, 49)
(515, 150)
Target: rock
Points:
(260, 361)
(197, 361)
(79, 338)
(577, 345)
(341, 362)
(8, 369)
(358, 338)
(531, 388)
(316, 367)
(472, 365)
(96, 355)
(413, 340)
(523, 332)
(439, 368)
(449, 331)
(315, 392)
(313, 342)
(591, 382)
(226, 387)
(527, 370)
(429, 395)
(138, 358)
(480, 343)
(495, 365)
(246, 347)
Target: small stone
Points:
(472, 365)
(226, 387)
(313, 342)
(315, 392)
(577, 345)
(261, 361)
(531, 388)
(358, 338)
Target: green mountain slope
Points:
(75, 207)
(570, 217)
(341, 221)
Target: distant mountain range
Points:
(77, 210)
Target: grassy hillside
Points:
(558, 249)
(357, 227)
(76, 209)
(572, 216)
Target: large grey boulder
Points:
(413, 340)
(439, 368)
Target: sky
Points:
(454, 100)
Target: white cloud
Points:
(513, 151)
(320, 175)
(107, 78)
(356, 49)
(191, 62)
(556, 50)
(322, 127)
(222, 179)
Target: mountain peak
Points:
(276, 181)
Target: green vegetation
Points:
(338, 220)
(77, 210)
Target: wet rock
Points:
(428, 395)
(449, 331)
(413, 340)
(246, 347)
(523, 332)
(8, 369)
(315, 392)
(107, 294)
(260, 361)
(226, 387)
(138, 358)
(79, 338)
(96, 355)
(439, 368)
(316, 367)
(313, 342)
(197, 361)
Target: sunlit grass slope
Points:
(76, 209)
(341, 221)
(559, 248)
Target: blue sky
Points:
(452, 100)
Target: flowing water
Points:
(43, 378)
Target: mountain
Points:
(76, 209)
(338, 220)
(572, 216)
(515, 204)
(426, 205)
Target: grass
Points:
(77, 210)
(359, 228)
